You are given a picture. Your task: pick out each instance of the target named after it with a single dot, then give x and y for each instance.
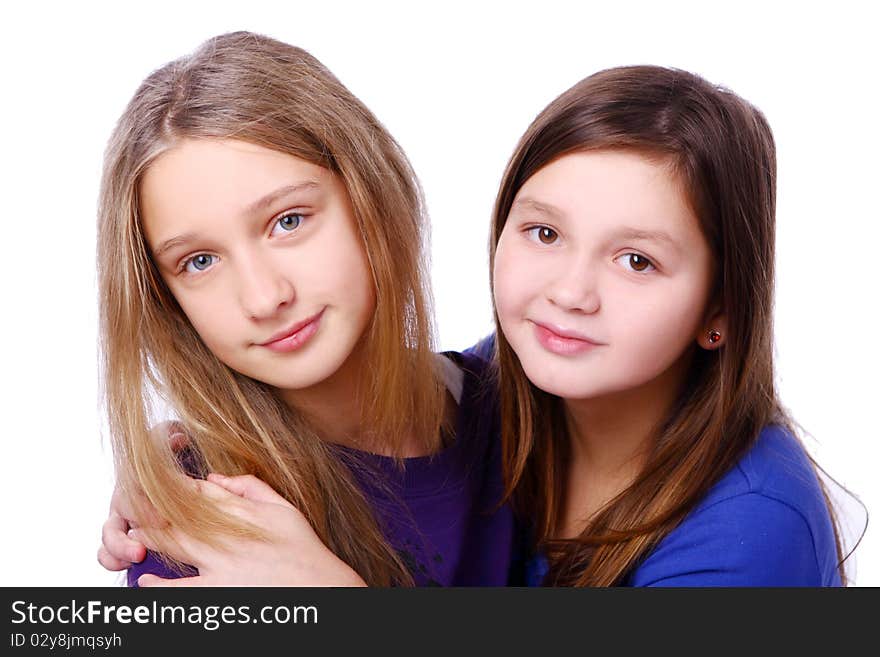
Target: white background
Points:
(456, 84)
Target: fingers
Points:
(148, 581)
(174, 544)
(116, 546)
(110, 562)
(157, 540)
(228, 502)
(249, 487)
(119, 503)
(179, 545)
(211, 490)
(135, 508)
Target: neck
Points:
(610, 439)
(334, 407)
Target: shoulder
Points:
(472, 376)
(765, 523)
(484, 349)
(477, 423)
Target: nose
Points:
(264, 287)
(575, 287)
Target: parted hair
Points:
(253, 88)
(721, 150)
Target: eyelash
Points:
(276, 220)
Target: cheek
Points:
(664, 328)
(356, 283)
(515, 280)
(209, 315)
(344, 274)
(500, 282)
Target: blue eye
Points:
(635, 262)
(287, 223)
(199, 263)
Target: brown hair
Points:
(722, 150)
(253, 88)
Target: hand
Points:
(118, 549)
(292, 555)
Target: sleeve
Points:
(484, 349)
(745, 540)
(153, 565)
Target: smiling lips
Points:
(295, 336)
(562, 342)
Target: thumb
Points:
(249, 487)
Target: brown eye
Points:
(638, 263)
(635, 262)
(544, 234)
(547, 235)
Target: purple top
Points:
(440, 512)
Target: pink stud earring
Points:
(714, 336)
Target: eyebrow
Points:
(529, 203)
(169, 244)
(649, 235)
(253, 208)
(281, 192)
(626, 233)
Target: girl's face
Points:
(261, 251)
(602, 275)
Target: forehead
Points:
(605, 189)
(214, 177)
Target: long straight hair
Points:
(720, 148)
(250, 87)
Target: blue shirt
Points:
(765, 523)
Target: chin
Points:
(295, 381)
(567, 390)
(550, 379)
(294, 374)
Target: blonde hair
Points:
(253, 88)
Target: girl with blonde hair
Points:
(261, 272)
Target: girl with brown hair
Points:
(261, 272)
(633, 268)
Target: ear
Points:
(712, 333)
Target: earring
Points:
(714, 336)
